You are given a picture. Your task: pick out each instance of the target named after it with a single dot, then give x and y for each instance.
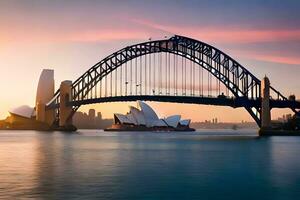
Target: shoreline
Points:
(263, 132)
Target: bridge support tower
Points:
(265, 103)
(64, 110)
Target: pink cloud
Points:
(225, 34)
(11, 36)
(107, 35)
(279, 59)
(211, 35)
(275, 58)
(148, 29)
(235, 35)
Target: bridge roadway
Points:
(218, 101)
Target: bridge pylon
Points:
(265, 103)
(65, 110)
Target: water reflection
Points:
(97, 165)
(72, 165)
(285, 165)
(17, 153)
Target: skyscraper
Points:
(92, 113)
(99, 115)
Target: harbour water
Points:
(93, 164)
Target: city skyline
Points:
(72, 38)
(92, 119)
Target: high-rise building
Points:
(92, 113)
(44, 94)
(99, 115)
(85, 121)
(45, 89)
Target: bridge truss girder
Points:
(242, 84)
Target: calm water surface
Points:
(102, 165)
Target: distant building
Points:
(223, 125)
(99, 115)
(92, 113)
(214, 120)
(90, 121)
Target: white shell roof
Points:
(173, 120)
(131, 118)
(138, 115)
(185, 122)
(123, 119)
(158, 123)
(149, 113)
(147, 116)
(23, 111)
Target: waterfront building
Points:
(22, 111)
(23, 117)
(143, 117)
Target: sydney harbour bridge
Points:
(176, 69)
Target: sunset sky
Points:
(71, 36)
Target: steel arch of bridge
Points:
(241, 83)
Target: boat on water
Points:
(144, 118)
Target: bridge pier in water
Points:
(265, 104)
(65, 111)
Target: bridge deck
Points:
(218, 101)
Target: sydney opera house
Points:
(144, 118)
